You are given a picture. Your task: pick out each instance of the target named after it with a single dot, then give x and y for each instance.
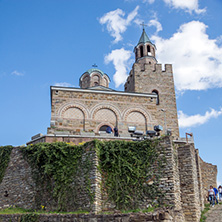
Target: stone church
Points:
(82, 114)
(148, 100)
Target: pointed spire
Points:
(144, 38)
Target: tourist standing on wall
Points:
(216, 192)
(220, 192)
(211, 196)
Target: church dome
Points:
(94, 77)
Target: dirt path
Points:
(214, 214)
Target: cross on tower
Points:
(143, 25)
(94, 65)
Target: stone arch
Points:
(102, 124)
(105, 114)
(105, 106)
(67, 106)
(137, 109)
(137, 117)
(73, 113)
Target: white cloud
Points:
(116, 24)
(187, 5)
(196, 120)
(63, 84)
(197, 59)
(149, 1)
(16, 73)
(120, 59)
(154, 22)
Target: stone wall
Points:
(24, 192)
(77, 110)
(189, 182)
(17, 182)
(157, 216)
(200, 179)
(169, 181)
(185, 181)
(209, 177)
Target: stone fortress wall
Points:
(183, 182)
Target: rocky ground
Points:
(214, 214)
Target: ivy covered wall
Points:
(95, 176)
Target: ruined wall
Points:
(25, 193)
(17, 182)
(209, 177)
(189, 182)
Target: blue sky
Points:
(53, 42)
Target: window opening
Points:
(157, 100)
(141, 51)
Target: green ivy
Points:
(130, 171)
(5, 152)
(56, 166)
(127, 168)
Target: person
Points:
(216, 192)
(108, 129)
(220, 192)
(116, 131)
(211, 196)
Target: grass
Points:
(18, 210)
(203, 217)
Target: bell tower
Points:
(147, 76)
(145, 50)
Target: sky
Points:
(53, 42)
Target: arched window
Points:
(85, 82)
(136, 52)
(103, 128)
(96, 80)
(157, 100)
(149, 50)
(141, 51)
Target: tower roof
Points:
(144, 38)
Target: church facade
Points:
(148, 99)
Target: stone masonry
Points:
(83, 114)
(180, 181)
(209, 177)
